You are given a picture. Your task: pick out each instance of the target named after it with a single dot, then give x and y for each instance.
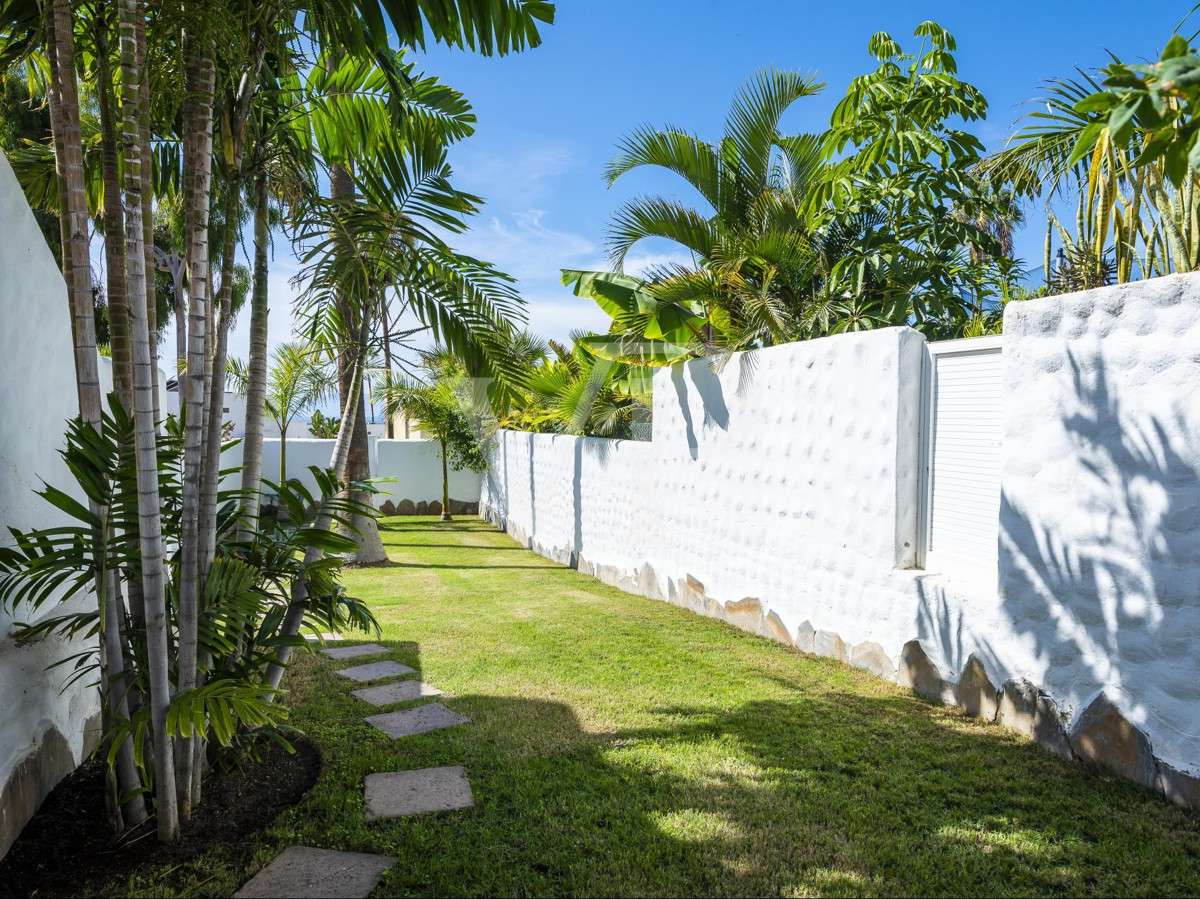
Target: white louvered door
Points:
(964, 434)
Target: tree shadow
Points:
(819, 793)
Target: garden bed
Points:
(67, 849)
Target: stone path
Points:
(401, 793)
(375, 671)
(353, 652)
(397, 691)
(421, 720)
(300, 872)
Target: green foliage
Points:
(584, 390)
(443, 405)
(1156, 101)
(898, 169)
(323, 426)
(295, 382)
(243, 599)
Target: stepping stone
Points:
(353, 652)
(400, 691)
(421, 720)
(375, 670)
(301, 872)
(401, 793)
(313, 638)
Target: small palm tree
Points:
(295, 384)
(441, 406)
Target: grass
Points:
(621, 746)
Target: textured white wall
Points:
(792, 477)
(418, 472)
(1100, 514)
(37, 368)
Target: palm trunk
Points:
(445, 486)
(200, 76)
(73, 223)
(282, 454)
(389, 427)
(216, 395)
(147, 205)
(145, 437)
(370, 544)
(68, 161)
(256, 387)
(114, 221)
(298, 605)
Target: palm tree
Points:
(1123, 206)
(441, 407)
(753, 260)
(294, 385)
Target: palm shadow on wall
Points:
(1110, 598)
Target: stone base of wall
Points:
(408, 507)
(36, 775)
(1099, 734)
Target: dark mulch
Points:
(68, 847)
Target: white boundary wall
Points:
(417, 468)
(413, 463)
(783, 496)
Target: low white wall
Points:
(414, 464)
(417, 469)
(783, 495)
(44, 732)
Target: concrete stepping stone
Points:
(328, 638)
(400, 793)
(421, 720)
(300, 872)
(353, 652)
(375, 670)
(400, 691)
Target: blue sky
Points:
(549, 118)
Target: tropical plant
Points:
(322, 426)
(295, 384)
(581, 390)
(753, 259)
(240, 610)
(898, 170)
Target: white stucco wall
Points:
(37, 370)
(1100, 513)
(792, 476)
(417, 470)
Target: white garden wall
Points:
(416, 467)
(44, 731)
(783, 494)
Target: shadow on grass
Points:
(548, 566)
(484, 547)
(835, 793)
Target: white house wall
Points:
(44, 732)
(783, 494)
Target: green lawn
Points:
(621, 746)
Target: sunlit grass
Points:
(621, 746)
